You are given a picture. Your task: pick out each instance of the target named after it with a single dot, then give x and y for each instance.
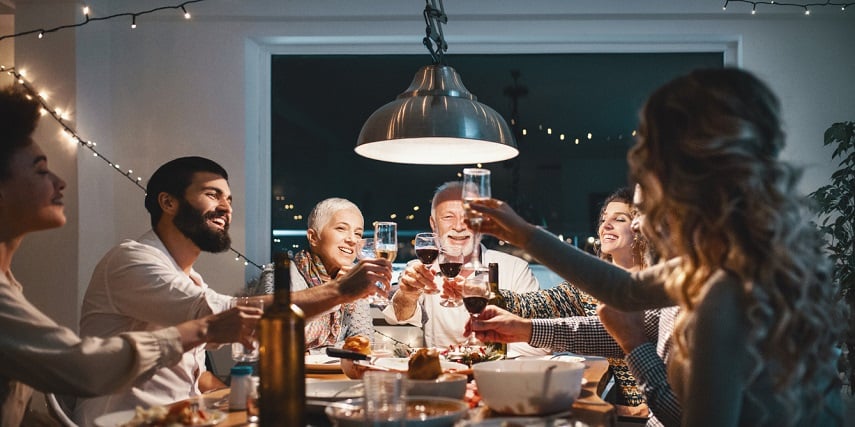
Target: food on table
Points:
(179, 414)
(470, 355)
(424, 365)
(359, 344)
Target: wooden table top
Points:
(588, 408)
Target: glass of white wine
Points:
(367, 251)
(386, 240)
(476, 186)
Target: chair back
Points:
(61, 408)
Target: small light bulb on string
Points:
(807, 11)
(754, 9)
(590, 136)
(133, 21)
(41, 34)
(186, 13)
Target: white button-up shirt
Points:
(138, 286)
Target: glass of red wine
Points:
(450, 262)
(427, 250)
(476, 293)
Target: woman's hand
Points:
(501, 221)
(362, 278)
(497, 325)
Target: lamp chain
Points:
(434, 40)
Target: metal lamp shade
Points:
(436, 121)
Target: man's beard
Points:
(194, 224)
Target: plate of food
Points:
(402, 364)
(322, 363)
(179, 414)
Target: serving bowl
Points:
(447, 385)
(528, 386)
(423, 411)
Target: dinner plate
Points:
(565, 358)
(402, 364)
(320, 393)
(526, 422)
(322, 362)
(115, 419)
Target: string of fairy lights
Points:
(87, 19)
(60, 116)
(806, 7)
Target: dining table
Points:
(588, 408)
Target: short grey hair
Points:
(325, 209)
(439, 195)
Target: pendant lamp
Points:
(436, 120)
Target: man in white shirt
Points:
(443, 326)
(150, 283)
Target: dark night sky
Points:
(319, 103)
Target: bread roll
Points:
(359, 344)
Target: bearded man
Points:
(150, 283)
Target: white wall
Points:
(173, 87)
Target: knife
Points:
(357, 357)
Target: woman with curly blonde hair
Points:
(755, 340)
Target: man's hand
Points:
(497, 325)
(627, 328)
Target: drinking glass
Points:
(386, 240)
(385, 401)
(476, 186)
(476, 293)
(427, 250)
(366, 250)
(450, 262)
(239, 352)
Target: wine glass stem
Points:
(476, 248)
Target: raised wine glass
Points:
(476, 186)
(427, 250)
(450, 262)
(366, 251)
(476, 293)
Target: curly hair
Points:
(640, 252)
(707, 160)
(19, 115)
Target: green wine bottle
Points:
(281, 361)
(496, 350)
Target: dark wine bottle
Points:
(281, 361)
(496, 298)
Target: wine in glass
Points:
(476, 293)
(450, 262)
(476, 186)
(427, 250)
(386, 240)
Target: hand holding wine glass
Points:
(427, 250)
(450, 262)
(476, 293)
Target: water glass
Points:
(385, 398)
(239, 352)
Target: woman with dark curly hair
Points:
(755, 338)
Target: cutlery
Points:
(358, 358)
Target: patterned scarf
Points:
(323, 330)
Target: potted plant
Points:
(835, 205)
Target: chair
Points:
(60, 408)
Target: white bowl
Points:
(528, 386)
(423, 411)
(447, 385)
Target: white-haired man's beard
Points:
(464, 243)
(193, 223)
